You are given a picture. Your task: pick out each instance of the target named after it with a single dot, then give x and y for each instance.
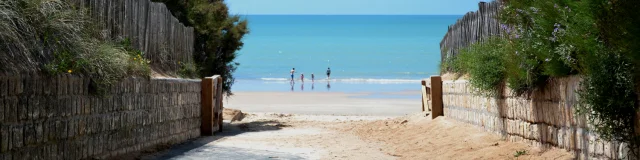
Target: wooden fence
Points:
(472, 27)
(149, 26)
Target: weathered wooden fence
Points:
(472, 27)
(149, 26)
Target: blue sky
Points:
(352, 7)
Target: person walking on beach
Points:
(292, 72)
(328, 73)
(302, 77)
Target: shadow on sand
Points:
(201, 148)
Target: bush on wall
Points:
(597, 39)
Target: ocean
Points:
(366, 53)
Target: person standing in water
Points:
(292, 72)
(302, 77)
(328, 73)
(312, 77)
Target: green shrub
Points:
(218, 36)
(608, 96)
(520, 153)
(524, 70)
(187, 70)
(485, 64)
(452, 65)
(110, 63)
(597, 39)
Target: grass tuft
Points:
(54, 37)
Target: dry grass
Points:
(33, 31)
(55, 37)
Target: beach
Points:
(338, 125)
(327, 103)
(370, 108)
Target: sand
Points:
(294, 136)
(281, 136)
(322, 103)
(320, 125)
(419, 137)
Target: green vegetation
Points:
(520, 153)
(484, 64)
(597, 39)
(218, 36)
(62, 40)
(187, 70)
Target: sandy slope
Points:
(408, 137)
(417, 137)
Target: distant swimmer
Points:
(302, 77)
(328, 73)
(292, 72)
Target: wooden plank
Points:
(207, 106)
(220, 106)
(436, 97)
(425, 97)
(218, 109)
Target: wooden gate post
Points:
(436, 97)
(426, 95)
(207, 104)
(219, 106)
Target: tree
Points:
(218, 36)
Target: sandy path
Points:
(311, 137)
(281, 136)
(285, 136)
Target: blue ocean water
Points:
(365, 52)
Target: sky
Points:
(352, 7)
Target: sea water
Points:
(366, 53)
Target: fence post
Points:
(206, 127)
(219, 106)
(425, 96)
(436, 97)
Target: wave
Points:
(353, 80)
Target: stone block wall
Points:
(545, 118)
(45, 117)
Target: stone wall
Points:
(57, 118)
(545, 118)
